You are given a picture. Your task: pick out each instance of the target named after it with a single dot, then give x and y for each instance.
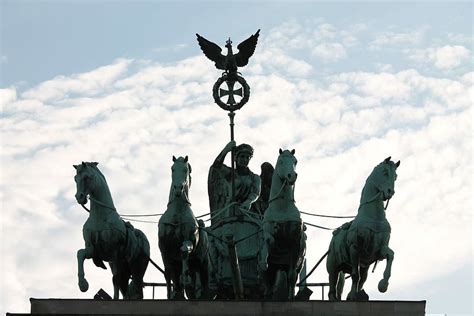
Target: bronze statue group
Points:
(255, 243)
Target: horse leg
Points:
(212, 266)
(124, 276)
(115, 279)
(336, 284)
(168, 284)
(333, 276)
(294, 256)
(363, 277)
(341, 279)
(355, 275)
(83, 254)
(120, 277)
(204, 279)
(269, 277)
(137, 271)
(333, 273)
(137, 267)
(191, 289)
(185, 277)
(267, 245)
(173, 269)
(291, 276)
(389, 254)
(178, 290)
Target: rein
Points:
(285, 182)
(98, 202)
(373, 199)
(186, 199)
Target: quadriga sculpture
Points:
(183, 246)
(284, 243)
(357, 244)
(108, 238)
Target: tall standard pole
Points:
(231, 117)
(230, 64)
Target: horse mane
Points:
(287, 153)
(93, 165)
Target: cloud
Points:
(325, 31)
(89, 84)
(277, 61)
(460, 38)
(131, 116)
(381, 86)
(330, 51)
(323, 40)
(446, 57)
(390, 38)
(7, 96)
(174, 48)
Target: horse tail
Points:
(143, 242)
(202, 248)
(136, 243)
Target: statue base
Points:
(165, 307)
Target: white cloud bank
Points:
(390, 38)
(445, 57)
(132, 116)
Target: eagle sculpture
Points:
(230, 62)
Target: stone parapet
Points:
(228, 308)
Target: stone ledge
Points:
(228, 308)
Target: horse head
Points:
(180, 176)
(383, 178)
(286, 165)
(85, 180)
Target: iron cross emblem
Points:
(230, 92)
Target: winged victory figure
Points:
(230, 62)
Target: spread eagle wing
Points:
(212, 51)
(246, 49)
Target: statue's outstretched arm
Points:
(220, 158)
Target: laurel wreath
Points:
(234, 107)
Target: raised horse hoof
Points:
(383, 285)
(83, 285)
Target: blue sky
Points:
(346, 84)
(74, 36)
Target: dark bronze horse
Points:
(183, 246)
(357, 244)
(284, 243)
(108, 238)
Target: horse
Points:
(108, 238)
(363, 241)
(183, 244)
(284, 244)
